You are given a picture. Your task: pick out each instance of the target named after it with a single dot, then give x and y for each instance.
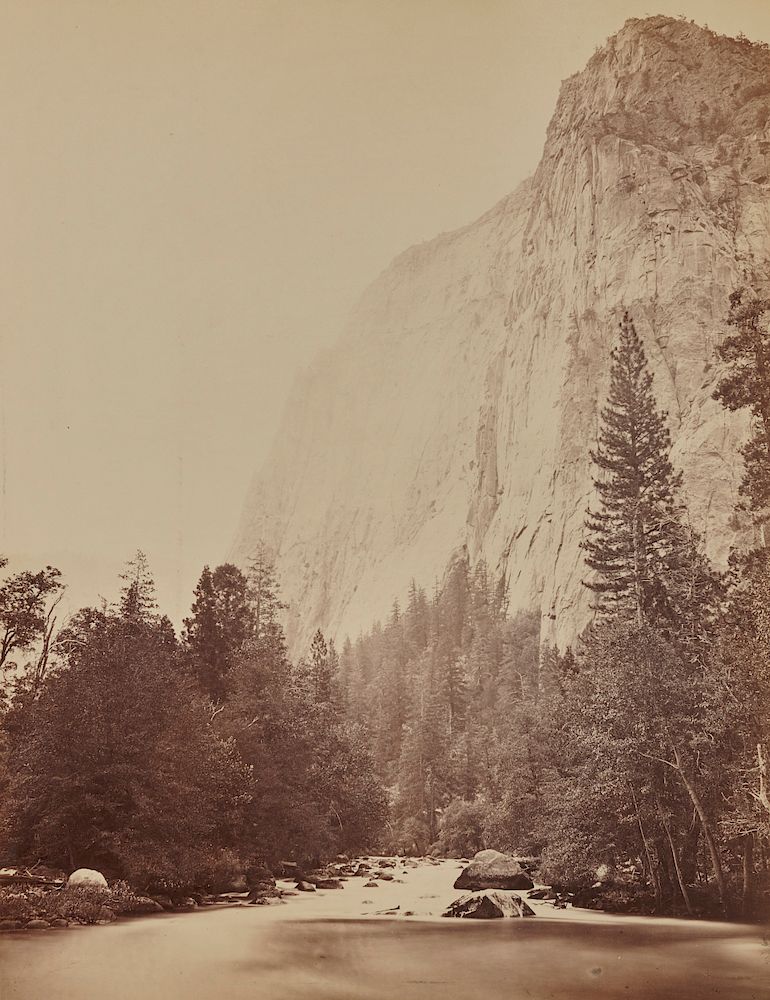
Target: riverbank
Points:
(364, 943)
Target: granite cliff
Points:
(457, 410)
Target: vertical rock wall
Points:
(457, 411)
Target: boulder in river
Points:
(328, 883)
(489, 904)
(263, 890)
(493, 870)
(87, 877)
(305, 886)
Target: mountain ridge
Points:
(457, 410)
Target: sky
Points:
(194, 194)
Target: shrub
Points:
(80, 903)
(462, 828)
(15, 904)
(225, 871)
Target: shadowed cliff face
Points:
(458, 409)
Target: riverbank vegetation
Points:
(178, 763)
(34, 907)
(638, 758)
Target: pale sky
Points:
(194, 194)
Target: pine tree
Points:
(747, 385)
(321, 670)
(269, 640)
(417, 627)
(634, 538)
(219, 624)
(137, 595)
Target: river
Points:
(335, 945)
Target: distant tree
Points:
(268, 637)
(320, 674)
(417, 626)
(137, 594)
(461, 831)
(746, 385)
(634, 538)
(345, 672)
(220, 622)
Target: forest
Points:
(632, 767)
(175, 763)
(637, 758)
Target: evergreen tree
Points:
(219, 624)
(268, 639)
(747, 385)
(137, 595)
(417, 627)
(634, 538)
(321, 670)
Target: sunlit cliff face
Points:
(457, 411)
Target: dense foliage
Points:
(638, 757)
(177, 764)
(746, 385)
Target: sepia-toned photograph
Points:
(385, 500)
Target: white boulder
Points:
(87, 877)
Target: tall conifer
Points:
(634, 538)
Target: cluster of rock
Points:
(492, 878)
(332, 876)
(492, 882)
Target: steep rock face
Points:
(457, 411)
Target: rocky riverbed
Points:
(367, 943)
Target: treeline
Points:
(441, 689)
(638, 757)
(173, 762)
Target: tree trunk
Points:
(761, 796)
(651, 866)
(688, 858)
(708, 834)
(638, 565)
(675, 859)
(748, 875)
